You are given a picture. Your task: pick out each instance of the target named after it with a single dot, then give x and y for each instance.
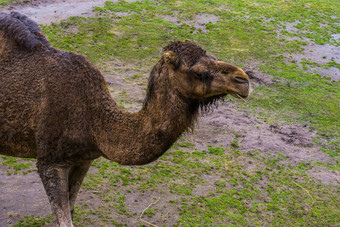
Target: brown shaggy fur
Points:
(55, 107)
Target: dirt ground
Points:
(24, 194)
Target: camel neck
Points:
(142, 137)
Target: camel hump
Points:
(24, 31)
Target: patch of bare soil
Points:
(21, 195)
(315, 53)
(258, 78)
(199, 21)
(228, 123)
(320, 54)
(48, 11)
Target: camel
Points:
(55, 107)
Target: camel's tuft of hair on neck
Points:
(188, 52)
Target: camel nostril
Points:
(241, 80)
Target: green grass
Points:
(261, 193)
(33, 221)
(5, 2)
(16, 165)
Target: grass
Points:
(33, 221)
(220, 186)
(16, 165)
(7, 2)
(238, 189)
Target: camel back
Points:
(24, 31)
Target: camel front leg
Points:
(55, 181)
(75, 178)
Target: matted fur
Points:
(24, 31)
(188, 52)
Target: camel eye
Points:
(204, 75)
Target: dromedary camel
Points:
(55, 107)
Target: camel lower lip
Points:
(236, 95)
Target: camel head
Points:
(196, 75)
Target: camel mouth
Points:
(239, 96)
(244, 92)
(243, 96)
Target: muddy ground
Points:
(24, 195)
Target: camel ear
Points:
(171, 59)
